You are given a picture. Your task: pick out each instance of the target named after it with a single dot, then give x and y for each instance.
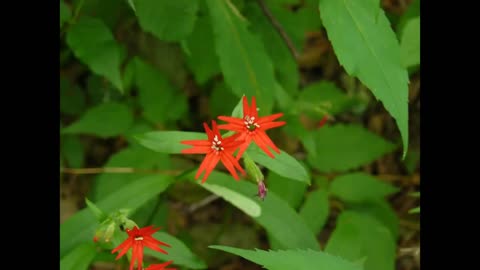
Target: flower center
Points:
(217, 144)
(138, 238)
(250, 123)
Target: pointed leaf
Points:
(410, 44)
(79, 258)
(315, 210)
(367, 47)
(360, 187)
(168, 141)
(290, 191)
(65, 13)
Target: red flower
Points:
(160, 266)
(216, 149)
(137, 239)
(251, 127)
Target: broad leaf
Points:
(245, 65)
(290, 191)
(93, 43)
(79, 258)
(410, 43)
(80, 228)
(358, 236)
(292, 259)
(367, 47)
(315, 210)
(65, 13)
(343, 147)
(168, 141)
(382, 212)
(72, 150)
(105, 120)
(167, 20)
(277, 217)
(360, 187)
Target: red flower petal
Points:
(210, 166)
(270, 125)
(269, 118)
(197, 142)
(228, 164)
(232, 120)
(197, 150)
(246, 108)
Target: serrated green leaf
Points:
(359, 236)
(105, 120)
(410, 43)
(65, 13)
(72, 99)
(245, 65)
(178, 252)
(315, 210)
(80, 227)
(343, 147)
(202, 59)
(290, 191)
(292, 259)
(79, 258)
(283, 164)
(277, 217)
(93, 43)
(167, 20)
(168, 141)
(319, 99)
(360, 187)
(72, 150)
(367, 47)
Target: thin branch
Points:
(117, 170)
(279, 29)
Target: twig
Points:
(116, 170)
(194, 207)
(279, 29)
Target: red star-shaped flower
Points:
(137, 239)
(216, 149)
(160, 266)
(251, 127)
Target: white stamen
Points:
(138, 238)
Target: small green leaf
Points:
(80, 227)
(245, 65)
(93, 43)
(315, 210)
(222, 101)
(360, 187)
(358, 236)
(178, 252)
(343, 147)
(292, 259)
(290, 191)
(167, 20)
(410, 43)
(99, 214)
(79, 258)
(105, 120)
(382, 212)
(412, 11)
(283, 164)
(277, 217)
(367, 47)
(65, 13)
(168, 141)
(238, 110)
(415, 210)
(72, 150)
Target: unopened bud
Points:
(262, 190)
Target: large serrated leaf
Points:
(344, 147)
(79, 258)
(367, 47)
(245, 65)
(292, 259)
(105, 120)
(167, 20)
(277, 217)
(80, 228)
(93, 43)
(358, 236)
(315, 210)
(360, 187)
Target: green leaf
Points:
(93, 43)
(412, 11)
(367, 47)
(97, 212)
(65, 13)
(72, 150)
(315, 210)
(358, 236)
(245, 65)
(290, 191)
(167, 20)
(415, 210)
(238, 110)
(159, 99)
(72, 99)
(410, 43)
(105, 120)
(202, 59)
(277, 217)
(80, 227)
(283, 164)
(178, 252)
(343, 147)
(382, 212)
(79, 258)
(360, 187)
(292, 259)
(411, 161)
(222, 100)
(168, 141)
(318, 99)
